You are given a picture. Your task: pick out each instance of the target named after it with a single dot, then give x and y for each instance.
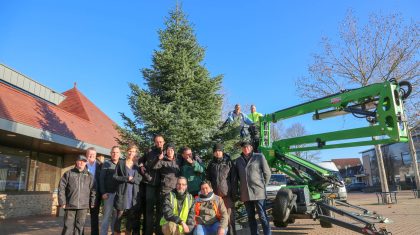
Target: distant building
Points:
(397, 160)
(351, 169)
(41, 133)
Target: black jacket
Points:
(222, 175)
(121, 177)
(149, 161)
(76, 189)
(107, 183)
(168, 208)
(169, 172)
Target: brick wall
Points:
(17, 205)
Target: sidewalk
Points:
(405, 214)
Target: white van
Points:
(277, 181)
(342, 192)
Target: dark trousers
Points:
(153, 211)
(132, 224)
(74, 221)
(258, 205)
(94, 218)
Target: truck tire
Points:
(281, 210)
(325, 224)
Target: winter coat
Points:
(169, 171)
(243, 119)
(194, 174)
(148, 160)
(222, 175)
(253, 175)
(107, 183)
(121, 177)
(76, 189)
(168, 209)
(205, 213)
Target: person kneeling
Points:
(210, 213)
(177, 219)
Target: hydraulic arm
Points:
(381, 104)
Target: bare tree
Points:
(277, 131)
(297, 130)
(382, 49)
(386, 47)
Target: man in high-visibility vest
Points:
(254, 115)
(176, 219)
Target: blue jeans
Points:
(201, 229)
(259, 205)
(109, 214)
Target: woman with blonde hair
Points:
(127, 198)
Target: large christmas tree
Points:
(180, 99)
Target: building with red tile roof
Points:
(343, 163)
(41, 133)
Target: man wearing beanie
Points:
(254, 175)
(222, 175)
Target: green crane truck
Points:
(381, 104)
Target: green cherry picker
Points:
(381, 104)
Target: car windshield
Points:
(337, 174)
(277, 180)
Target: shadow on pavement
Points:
(42, 225)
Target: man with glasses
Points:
(176, 218)
(192, 169)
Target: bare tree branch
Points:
(385, 47)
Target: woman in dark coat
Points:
(127, 198)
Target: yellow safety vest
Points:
(184, 211)
(255, 117)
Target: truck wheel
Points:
(281, 211)
(325, 224)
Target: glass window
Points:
(277, 179)
(48, 172)
(406, 158)
(13, 169)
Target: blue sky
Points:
(261, 47)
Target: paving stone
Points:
(405, 216)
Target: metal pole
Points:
(382, 173)
(414, 158)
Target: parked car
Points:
(356, 186)
(277, 181)
(340, 191)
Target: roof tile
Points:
(76, 117)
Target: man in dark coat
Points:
(152, 182)
(108, 187)
(254, 174)
(94, 167)
(177, 219)
(221, 173)
(76, 192)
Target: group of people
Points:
(175, 195)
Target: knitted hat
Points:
(245, 143)
(170, 145)
(217, 147)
